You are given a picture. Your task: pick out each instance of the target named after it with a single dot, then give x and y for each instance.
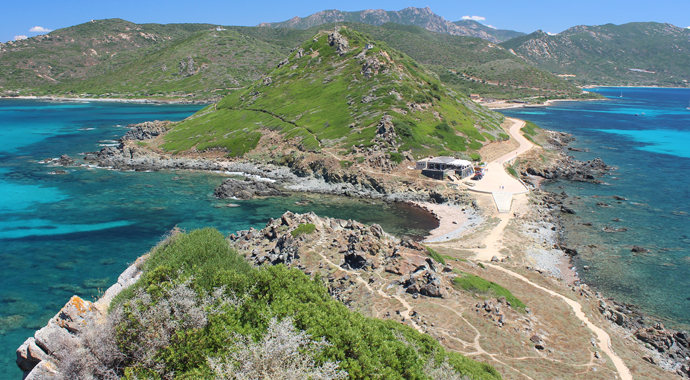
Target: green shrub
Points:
(303, 229)
(397, 157)
(477, 284)
(475, 157)
(435, 255)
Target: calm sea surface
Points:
(646, 134)
(74, 233)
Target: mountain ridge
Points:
(422, 17)
(639, 53)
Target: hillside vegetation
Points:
(117, 58)
(472, 65)
(630, 54)
(334, 92)
(200, 311)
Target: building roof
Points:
(459, 163)
(442, 160)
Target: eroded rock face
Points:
(247, 189)
(147, 130)
(60, 339)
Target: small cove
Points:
(74, 233)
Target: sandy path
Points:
(494, 245)
(604, 340)
(496, 175)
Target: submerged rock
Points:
(247, 189)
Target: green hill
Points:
(631, 54)
(117, 58)
(333, 92)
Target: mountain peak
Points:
(422, 17)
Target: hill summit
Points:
(342, 92)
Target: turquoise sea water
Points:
(74, 233)
(646, 133)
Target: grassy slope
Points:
(603, 54)
(365, 347)
(321, 98)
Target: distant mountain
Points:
(501, 35)
(646, 53)
(472, 65)
(117, 58)
(422, 17)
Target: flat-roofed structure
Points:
(439, 167)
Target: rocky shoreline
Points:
(667, 348)
(127, 155)
(112, 100)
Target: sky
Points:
(20, 19)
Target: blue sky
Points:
(19, 17)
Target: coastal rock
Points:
(247, 189)
(638, 249)
(571, 169)
(65, 160)
(60, 338)
(147, 130)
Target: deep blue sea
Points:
(74, 233)
(645, 132)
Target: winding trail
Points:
(604, 340)
(492, 241)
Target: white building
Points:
(440, 166)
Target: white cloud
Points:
(40, 29)
(475, 18)
(551, 34)
(490, 26)
(20, 37)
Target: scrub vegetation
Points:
(200, 311)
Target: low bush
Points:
(436, 256)
(472, 283)
(303, 229)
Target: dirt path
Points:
(493, 246)
(604, 342)
(404, 313)
(496, 178)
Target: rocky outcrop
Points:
(667, 348)
(247, 189)
(385, 132)
(147, 130)
(571, 169)
(39, 356)
(352, 246)
(339, 42)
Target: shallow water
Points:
(74, 233)
(646, 134)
